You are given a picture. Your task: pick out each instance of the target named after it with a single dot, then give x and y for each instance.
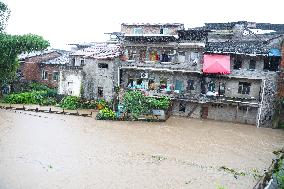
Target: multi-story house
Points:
(222, 74)
(91, 72)
(167, 64)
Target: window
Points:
(194, 56)
(211, 86)
(181, 57)
(271, 63)
(163, 83)
(55, 76)
(222, 87)
(237, 64)
(137, 31)
(44, 75)
(179, 85)
(190, 84)
(100, 92)
(103, 65)
(244, 88)
(181, 107)
(73, 62)
(82, 62)
(252, 64)
(164, 31)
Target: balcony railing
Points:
(190, 66)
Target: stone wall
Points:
(269, 100)
(95, 77)
(192, 109)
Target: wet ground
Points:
(49, 151)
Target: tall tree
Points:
(13, 45)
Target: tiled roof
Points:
(34, 53)
(63, 59)
(238, 47)
(100, 51)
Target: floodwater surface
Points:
(48, 151)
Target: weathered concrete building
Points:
(215, 73)
(100, 72)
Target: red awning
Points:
(216, 64)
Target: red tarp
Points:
(216, 64)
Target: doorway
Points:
(204, 112)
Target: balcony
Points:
(192, 66)
(229, 100)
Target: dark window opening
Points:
(222, 88)
(252, 64)
(244, 88)
(130, 82)
(73, 62)
(139, 81)
(271, 63)
(190, 84)
(237, 64)
(55, 76)
(181, 107)
(100, 92)
(211, 86)
(103, 65)
(82, 62)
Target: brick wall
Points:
(31, 71)
(50, 69)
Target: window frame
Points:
(103, 65)
(244, 88)
(100, 92)
(138, 30)
(53, 74)
(44, 75)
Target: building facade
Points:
(211, 73)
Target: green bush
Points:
(135, 103)
(162, 103)
(106, 114)
(34, 97)
(70, 102)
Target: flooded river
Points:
(48, 151)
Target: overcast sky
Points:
(67, 21)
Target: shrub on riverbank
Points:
(70, 102)
(106, 114)
(34, 97)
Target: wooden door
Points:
(204, 112)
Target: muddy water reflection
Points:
(55, 151)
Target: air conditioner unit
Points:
(144, 75)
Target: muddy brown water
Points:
(48, 151)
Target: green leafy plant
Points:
(106, 114)
(34, 97)
(135, 103)
(70, 102)
(158, 103)
(101, 104)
